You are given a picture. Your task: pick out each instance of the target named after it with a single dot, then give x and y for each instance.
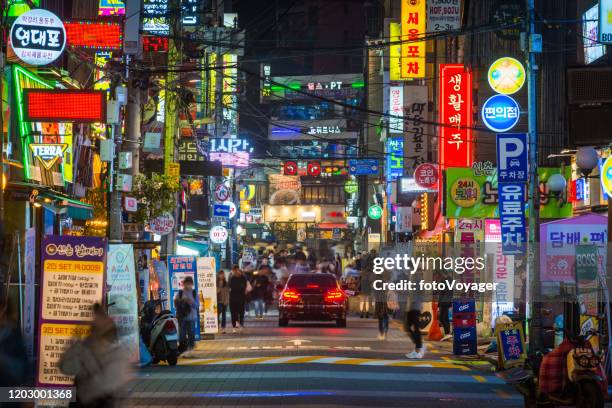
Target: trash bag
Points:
(145, 356)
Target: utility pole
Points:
(533, 275)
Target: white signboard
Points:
(38, 37)
(122, 295)
(443, 15)
(417, 131)
(218, 234)
(161, 225)
(403, 221)
(207, 282)
(605, 21)
(396, 108)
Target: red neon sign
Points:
(63, 105)
(94, 35)
(152, 43)
(456, 116)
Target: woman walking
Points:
(223, 298)
(237, 297)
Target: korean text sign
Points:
(512, 217)
(413, 23)
(512, 158)
(455, 115)
(395, 157)
(179, 267)
(72, 281)
(416, 130)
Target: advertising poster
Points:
(29, 266)
(207, 291)
(72, 281)
(587, 282)
(122, 295)
(558, 241)
(179, 267)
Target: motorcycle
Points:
(582, 382)
(160, 332)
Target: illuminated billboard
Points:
(94, 35)
(413, 29)
(63, 105)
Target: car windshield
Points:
(305, 280)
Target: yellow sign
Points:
(413, 32)
(506, 76)
(55, 339)
(465, 192)
(510, 344)
(395, 52)
(606, 175)
(174, 170)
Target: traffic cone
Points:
(435, 333)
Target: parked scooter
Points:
(582, 385)
(160, 332)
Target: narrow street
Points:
(309, 364)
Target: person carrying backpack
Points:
(186, 313)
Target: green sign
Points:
(375, 212)
(587, 261)
(473, 194)
(351, 186)
(18, 7)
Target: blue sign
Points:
(512, 217)
(221, 210)
(363, 167)
(580, 190)
(395, 157)
(180, 267)
(512, 158)
(500, 113)
(604, 193)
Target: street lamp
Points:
(557, 184)
(587, 159)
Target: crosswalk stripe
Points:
(327, 360)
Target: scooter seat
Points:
(515, 375)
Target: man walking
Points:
(186, 313)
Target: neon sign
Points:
(48, 154)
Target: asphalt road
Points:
(314, 364)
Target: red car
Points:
(312, 296)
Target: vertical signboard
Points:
(512, 217)
(416, 131)
(122, 295)
(207, 285)
(587, 278)
(395, 51)
(413, 30)
(396, 108)
(395, 157)
(512, 158)
(503, 269)
(455, 116)
(72, 281)
(179, 267)
(29, 267)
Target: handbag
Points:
(249, 288)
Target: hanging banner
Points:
(29, 307)
(416, 131)
(443, 15)
(456, 116)
(72, 281)
(207, 285)
(179, 267)
(558, 240)
(122, 296)
(413, 29)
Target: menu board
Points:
(510, 344)
(72, 281)
(207, 285)
(55, 339)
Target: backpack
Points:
(182, 308)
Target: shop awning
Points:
(77, 210)
(332, 225)
(200, 247)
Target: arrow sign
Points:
(298, 342)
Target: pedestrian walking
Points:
(186, 313)
(98, 363)
(238, 291)
(260, 289)
(415, 306)
(445, 299)
(223, 295)
(365, 286)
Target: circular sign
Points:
(606, 175)
(232, 209)
(313, 169)
(465, 192)
(38, 37)
(351, 186)
(162, 225)
(375, 212)
(222, 192)
(426, 175)
(290, 168)
(218, 234)
(506, 76)
(500, 113)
